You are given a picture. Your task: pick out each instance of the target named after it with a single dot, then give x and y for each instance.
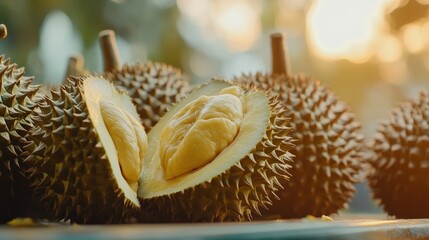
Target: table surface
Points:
(356, 228)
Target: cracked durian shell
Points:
(399, 163)
(328, 152)
(69, 167)
(17, 101)
(153, 87)
(237, 193)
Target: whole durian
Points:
(327, 159)
(218, 155)
(399, 164)
(154, 87)
(87, 149)
(17, 101)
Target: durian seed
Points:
(3, 31)
(200, 131)
(111, 57)
(124, 135)
(280, 63)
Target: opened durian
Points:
(327, 159)
(218, 155)
(17, 101)
(87, 152)
(154, 87)
(399, 169)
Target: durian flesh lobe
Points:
(240, 180)
(199, 131)
(76, 165)
(129, 139)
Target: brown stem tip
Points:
(109, 49)
(75, 66)
(3, 31)
(280, 62)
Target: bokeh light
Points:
(235, 23)
(413, 37)
(340, 29)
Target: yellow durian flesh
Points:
(114, 118)
(255, 117)
(196, 134)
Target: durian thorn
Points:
(279, 56)
(75, 66)
(3, 31)
(109, 49)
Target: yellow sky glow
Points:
(339, 29)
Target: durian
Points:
(218, 155)
(87, 150)
(154, 87)
(327, 159)
(17, 101)
(399, 164)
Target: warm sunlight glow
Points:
(389, 49)
(413, 37)
(339, 29)
(395, 73)
(236, 23)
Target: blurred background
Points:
(371, 53)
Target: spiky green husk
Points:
(328, 152)
(153, 88)
(17, 97)
(239, 193)
(400, 161)
(68, 166)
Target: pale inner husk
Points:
(95, 90)
(256, 117)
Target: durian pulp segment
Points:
(196, 134)
(253, 125)
(129, 138)
(95, 90)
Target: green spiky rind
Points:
(153, 87)
(17, 101)
(68, 166)
(328, 154)
(400, 160)
(239, 193)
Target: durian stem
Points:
(109, 49)
(75, 66)
(279, 54)
(3, 31)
